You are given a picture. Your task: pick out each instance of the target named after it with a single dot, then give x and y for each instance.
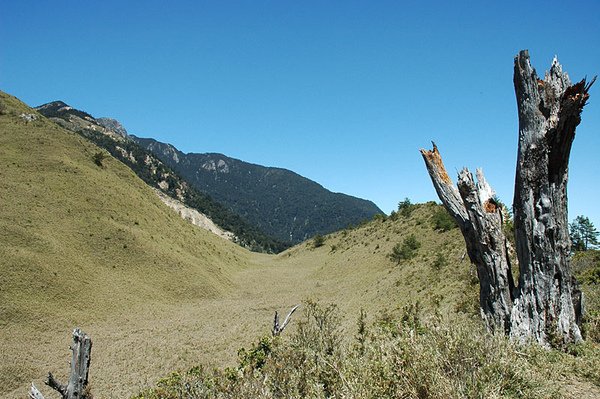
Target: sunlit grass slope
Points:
(353, 266)
(422, 336)
(80, 243)
(91, 246)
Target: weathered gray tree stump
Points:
(541, 307)
(34, 393)
(80, 365)
(278, 329)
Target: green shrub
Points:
(406, 250)
(591, 327)
(256, 357)
(591, 319)
(406, 208)
(99, 157)
(380, 217)
(440, 261)
(442, 220)
(318, 241)
(586, 268)
(590, 276)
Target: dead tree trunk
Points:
(549, 112)
(541, 307)
(34, 393)
(80, 365)
(480, 220)
(278, 329)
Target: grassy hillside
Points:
(84, 245)
(420, 334)
(93, 247)
(353, 266)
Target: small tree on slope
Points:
(541, 307)
(583, 234)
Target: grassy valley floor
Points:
(136, 344)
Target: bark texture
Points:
(480, 220)
(549, 112)
(80, 365)
(543, 307)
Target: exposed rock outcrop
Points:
(193, 216)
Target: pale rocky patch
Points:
(194, 217)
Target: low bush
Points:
(393, 358)
(442, 220)
(406, 250)
(380, 217)
(406, 208)
(99, 157)
(318, 241)
(440, 261)
(586, 268)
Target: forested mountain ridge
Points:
(111, 135)
(280, 202)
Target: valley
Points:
(136, 343)
(90, 245)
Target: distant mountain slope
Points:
(112, 136)
(278, 201)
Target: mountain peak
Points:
(55, 106)
(68, 116)
(114, 125)
(58, 109)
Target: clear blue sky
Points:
(344, 93)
